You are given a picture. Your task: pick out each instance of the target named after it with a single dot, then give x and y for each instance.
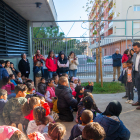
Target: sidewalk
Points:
(130, 116)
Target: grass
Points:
(108, 88)
(89, 60)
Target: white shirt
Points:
(137, 62)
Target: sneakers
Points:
(113, 80)
(127, 101)
(131, 102)
(125, 97)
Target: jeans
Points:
(11, 95)
(73, 73)
(50, 74)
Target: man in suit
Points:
(136, 69)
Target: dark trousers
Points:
(137, 83)
(130, 92)
(65, 114)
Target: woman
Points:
(131, 53)
(63, 63)
(110, 121)
(51, 64)
(24, 66)
(125, 56)
(73, 62)
(7, 67)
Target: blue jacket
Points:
(3, 72)
(37, 69)
(115, 130)
(116, 60)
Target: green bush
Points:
(108, 88)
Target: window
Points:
(137, 8)
(13, 32)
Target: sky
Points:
(72, 10)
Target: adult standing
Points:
(24, 66)
(51, 64)
(136, 69)
(125, 56)
(39, 57)
(131, 54)
(63, 63)
(116, 63)
(73, 63)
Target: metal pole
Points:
(126, 24)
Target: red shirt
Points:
(38, 57)
(51, 64)
(124, 58)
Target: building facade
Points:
(111, 30)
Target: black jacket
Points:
(24, 66)
(42, 88)
(65, 98)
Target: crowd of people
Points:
(34, 109)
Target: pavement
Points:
(130, 116)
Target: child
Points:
(87, 104)
(72, 87)
(42, 86)
(3, 71)
(40, 121)
(75, 81)
(8, 86)
(15, 72)
(92, 131)
(12, 79)
(65, 100)
(32, 82)
(71, 79)
(7, 67)
(3, 100)
(30, 90)
(12, 110)
(56, 131)
(19, 77)
(55, 78)
(87, 117)
(111, 122)
(38, 73)
(121, 78)
(11, 133)
(129, 79)
(50, 92)
(29, 106)
(79, 93)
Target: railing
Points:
(102, 31)
(110, 24)
(101, 21)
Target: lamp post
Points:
(126, 24)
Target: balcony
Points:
(101, 21)
(102, 11)
(110, 1)
(110, 24)
(102, 31)
(110, 12)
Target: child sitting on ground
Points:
(79, 93)
(11, 133)
(12, 110)
(71, 79)
(87, 104)
(50, 92)
(30, 90)
(7, 67)
(75, 81)
(129, 80)
(92, 131)
(32, 82)
(3, 100)
(42, 86)
(65, 100)
(29, 106)
(12, 79)
(8, 86)
(19, 78)
(121, 78)
(86, 117)
(15, 72)
(55, 78)
(56, 131)
(38, 73)
(40, 121)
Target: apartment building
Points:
(110, 31)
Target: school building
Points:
(17, 17)
(111, 30)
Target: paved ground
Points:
(130, 116)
